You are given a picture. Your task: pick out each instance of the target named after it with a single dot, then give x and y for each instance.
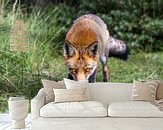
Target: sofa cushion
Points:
(133, 109)
(144, 91)
(70, 95)
(48, 88)
(74, 109)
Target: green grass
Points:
(139, 67)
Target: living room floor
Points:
(6, 122)
(7, 126)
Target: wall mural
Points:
(87, 42)
(40, 39)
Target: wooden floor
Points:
(7, 126)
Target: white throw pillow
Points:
(71, 84)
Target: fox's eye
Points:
(88, 69)
(72, 70)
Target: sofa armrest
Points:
(36, 103)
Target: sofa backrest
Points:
(109, 92)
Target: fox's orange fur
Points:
(88, 39)
(85, 43)
(85, 31)
(81, 35)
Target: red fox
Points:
(86, 42)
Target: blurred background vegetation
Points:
(139, 23)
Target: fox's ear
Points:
(69, 50)
(92, 50)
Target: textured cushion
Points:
(70, 95)
(71, 84)
(48, 88)
(144, 91)
(133, 109)
(74, 109)
(159, 93)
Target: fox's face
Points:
(81, 50)
(81, 63)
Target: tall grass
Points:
(21, 72)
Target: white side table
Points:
(18, 110)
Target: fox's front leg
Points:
(105, 73)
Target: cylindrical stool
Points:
(18, 110)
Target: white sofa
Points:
(116, 111)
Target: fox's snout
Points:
(81, 73)
(81, 76)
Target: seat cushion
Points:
(133, 109)
(74, 109)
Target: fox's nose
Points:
(81, 77)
